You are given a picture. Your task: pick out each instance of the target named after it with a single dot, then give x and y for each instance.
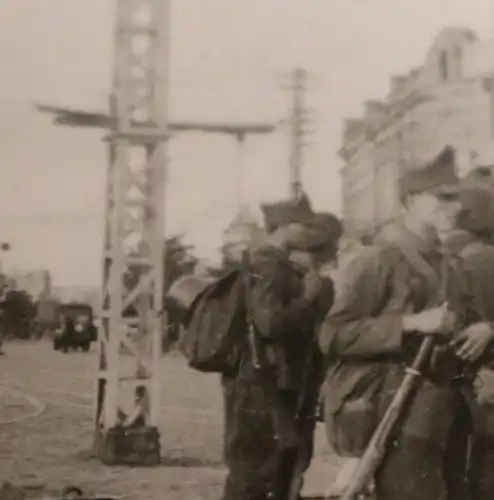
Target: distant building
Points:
(37, 283)
(446, 101)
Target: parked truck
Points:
(76, 327)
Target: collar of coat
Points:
(459, 242)
(399, 233)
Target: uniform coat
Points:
(285, 323)
(470, 289)
(364, 342)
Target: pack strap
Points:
(422, 267)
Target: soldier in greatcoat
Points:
(470, 288)
(269, 410)
(390, 297)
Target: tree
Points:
(179, 260)
(17, 312)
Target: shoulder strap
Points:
(246, 276)
(421, 266)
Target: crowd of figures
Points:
(299, 335)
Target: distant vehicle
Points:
(76, 328)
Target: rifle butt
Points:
(357, 488)
(374, 453)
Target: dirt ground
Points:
(46, 410)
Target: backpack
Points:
(216, 326)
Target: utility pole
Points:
(298, 128)
(134, 232)
(240, 172)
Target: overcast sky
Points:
(227, 58)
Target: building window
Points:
(443, 66)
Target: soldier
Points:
(265, 442)
(390, 296)
(470, 291)
(138, 418)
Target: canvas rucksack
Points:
(216, 326)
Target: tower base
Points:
(121, 446)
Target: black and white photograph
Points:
(246, 250)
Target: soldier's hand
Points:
(313, 284)
(436, 321)
(325, 299)
(472, 342)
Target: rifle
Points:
(296, 467)
(282, 420)
(254, 347)
(376, 448)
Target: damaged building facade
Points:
(448, 101)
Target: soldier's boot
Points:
(286, 468)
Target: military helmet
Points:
(324, 229)
(438, 177)
(319, 229)
(477, 201)
(294, 211)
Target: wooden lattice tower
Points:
(134, 230)
(133, 254)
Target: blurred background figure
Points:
(138, 417)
